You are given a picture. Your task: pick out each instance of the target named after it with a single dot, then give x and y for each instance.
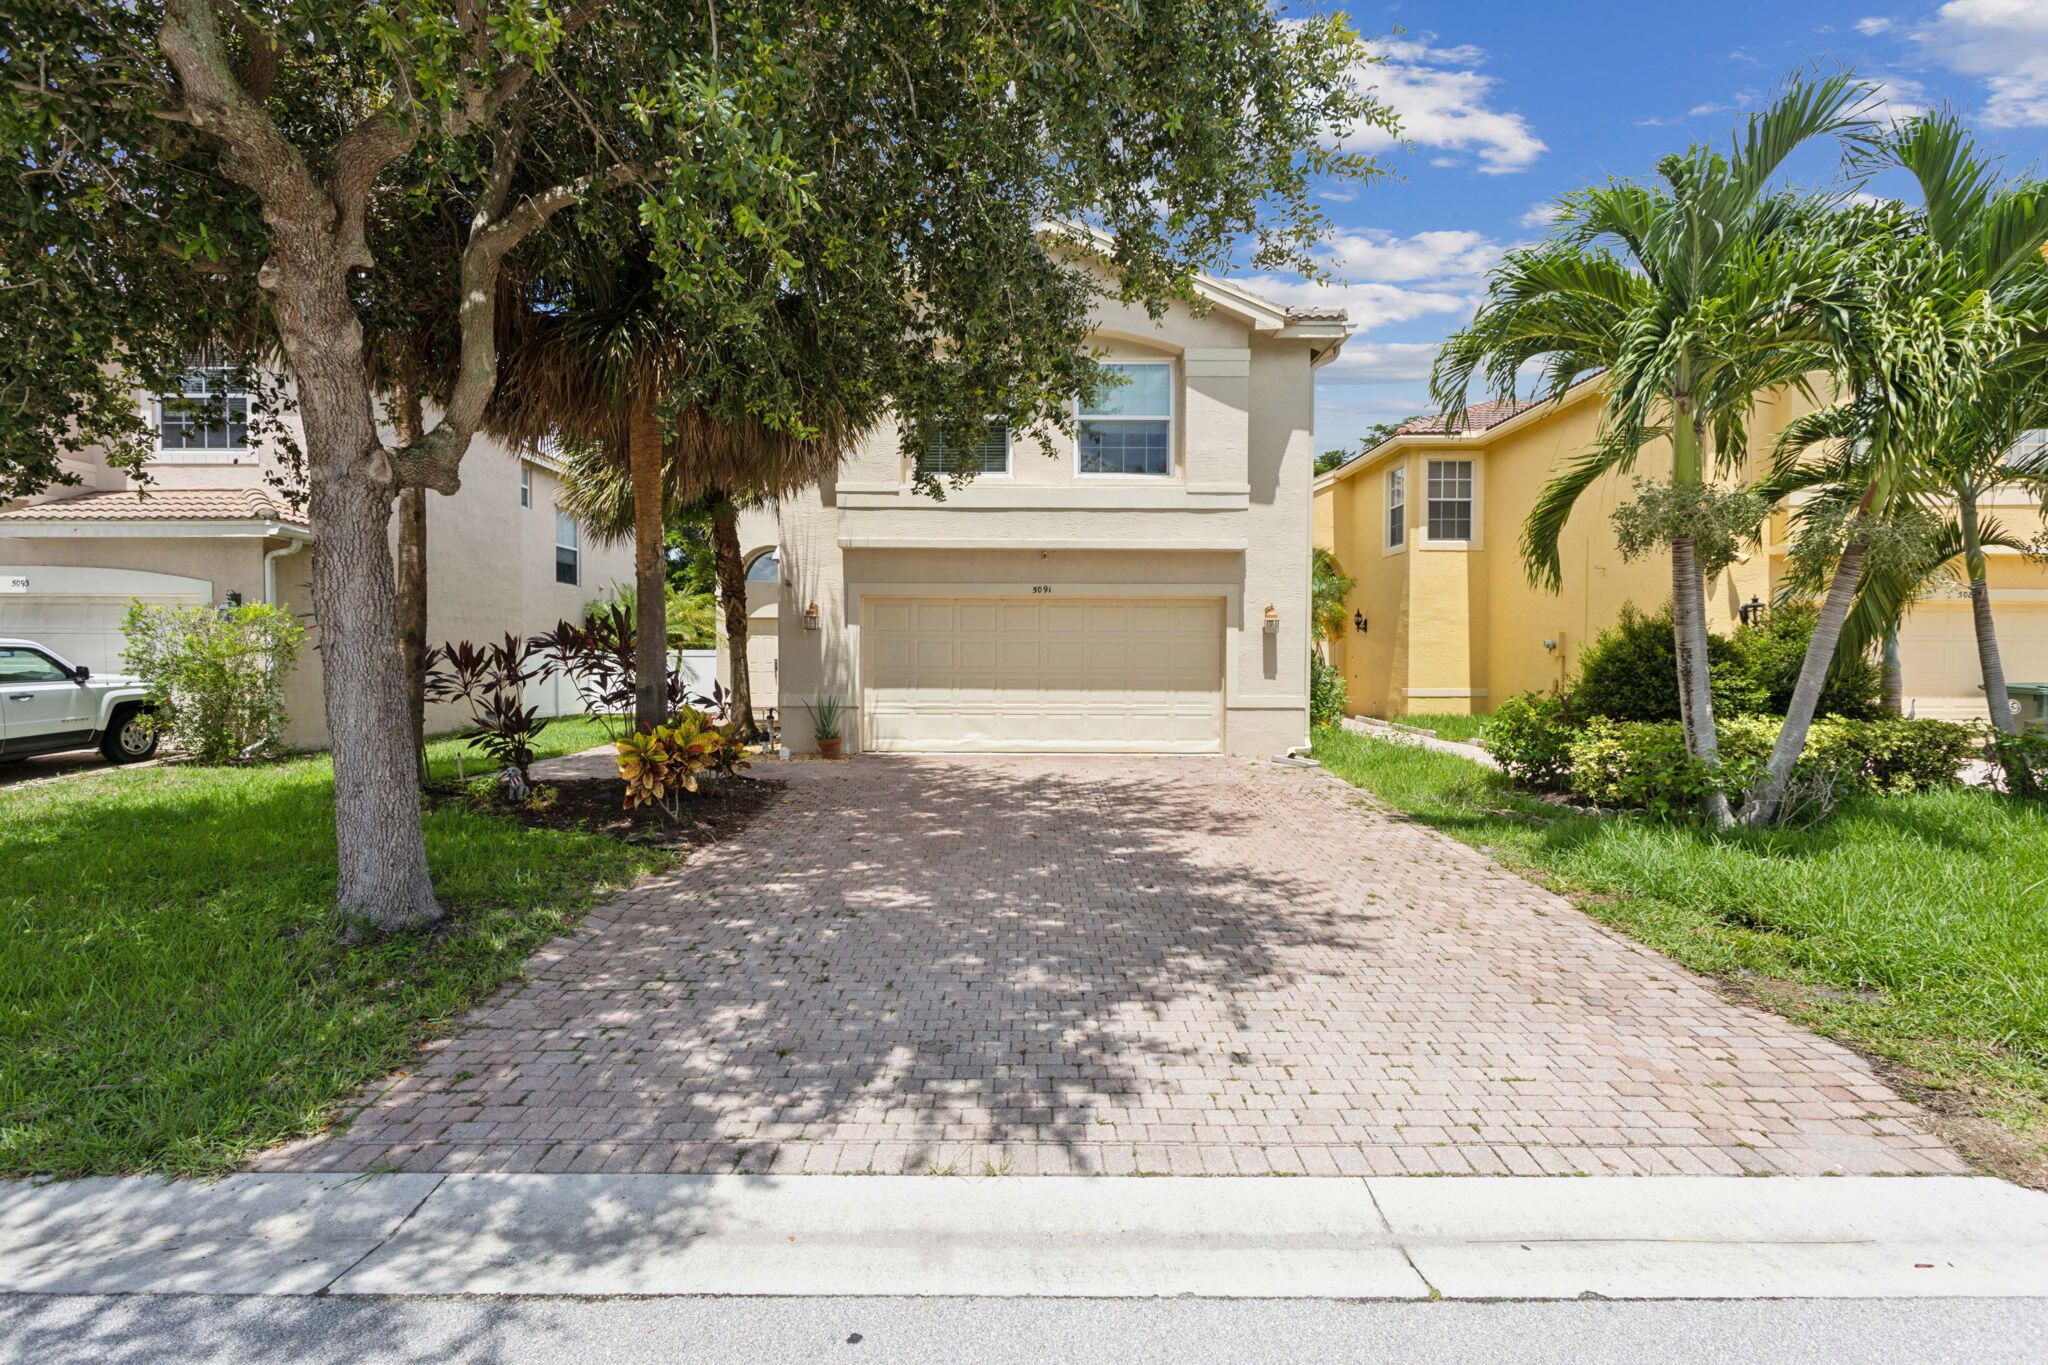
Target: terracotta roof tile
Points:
(164, 504)
(1478, 417)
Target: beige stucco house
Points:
(208, 527)
(1138, 586)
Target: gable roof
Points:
(1477, 417)
(1474, 425)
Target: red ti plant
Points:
(492, 679)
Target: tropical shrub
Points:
(663, 764)
(1530, 737)
(1643, 765)
(215, 676)
(599, 656)
(1328, 695)
(492, 679)
(1769, 655)
(1630, 672)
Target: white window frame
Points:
(228, 454)
(1009, 448)
(772, 552)
(1394, 510)
(1172, 420)
(574, 545)
(526, 485)
(1472, 500)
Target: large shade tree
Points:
(918, 144)
(1676, 289)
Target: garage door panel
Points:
(1938, 655)
(996, 674)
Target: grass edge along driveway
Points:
(1913, 928)
(172, 993)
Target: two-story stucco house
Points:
(1139, 586)
(208, 527)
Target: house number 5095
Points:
(1041, 588)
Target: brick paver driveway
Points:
(1038, 965)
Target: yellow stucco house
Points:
(1444, 618)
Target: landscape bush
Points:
(215, 675)
(1630, 670)
(1328, 695)
(661, 765)
(1530, 736)
(492, 678)
(1643, 765)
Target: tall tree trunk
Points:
(732, 593)
(1769, 794)
(650, 572)
(1695, 680)
(381, 858)
(1989, 660)
(412, 579)
(1894, 675)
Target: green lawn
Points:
(172, 996)
(1464, 729)
(1912, 927)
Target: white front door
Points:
(39, 700)
(1042, 675)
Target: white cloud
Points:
(2003, 43)
(1374, 254)
(1388, 362)
(1443, 103)
(1541, 215)
(1897, 99)
(1870, 28)
(1370, 303)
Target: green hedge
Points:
(1327, 693)
(1630, 671)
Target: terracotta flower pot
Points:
(829, 748)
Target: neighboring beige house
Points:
(208, 527)
(1139, 587)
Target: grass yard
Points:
(172, 997)
(1914, 928)
(1463, 729)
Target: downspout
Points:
(293, 542)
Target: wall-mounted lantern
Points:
(1358, 620)
(1272, 619)
(1752, 611)
(811, 617)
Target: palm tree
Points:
(1329, 587)
(1676, 289)
(1931, 348)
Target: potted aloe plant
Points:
(825, 726)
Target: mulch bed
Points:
(721, 809)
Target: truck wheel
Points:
(130, 738)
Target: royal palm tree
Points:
(1676, 289)
(1934, 346)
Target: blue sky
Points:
(1510, 103)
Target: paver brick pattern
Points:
(1117, 965)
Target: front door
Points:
(40, 706)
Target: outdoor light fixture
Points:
(1551, 643)
(1752, 611)
(1358, 620)
(1272, 619)
(811, 617)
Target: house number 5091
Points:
(1041, 588)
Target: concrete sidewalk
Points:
(1334, 1238)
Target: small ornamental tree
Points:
(215, 676)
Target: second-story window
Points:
(989, 455)
(1127, 428)
(568, 549)
(208, 413)
(1450, 500)
(526, 485)
(1397, 508)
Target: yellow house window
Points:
(1397, 508)
(1450, 500)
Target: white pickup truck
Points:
(49, 704)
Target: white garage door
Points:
(1043, 675)
(1938, 655)
(78, 611)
